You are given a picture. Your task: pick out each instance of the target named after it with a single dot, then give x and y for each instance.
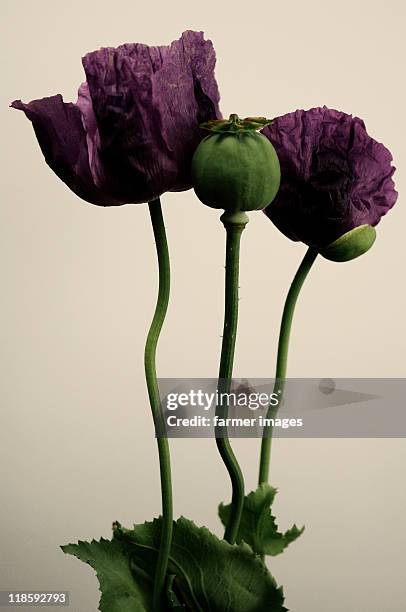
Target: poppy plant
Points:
(336, 185)
(128, 139)
(236, 169)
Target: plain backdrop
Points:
(78, 288)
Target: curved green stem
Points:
(154, 398)
(282, 359)
(234, 226)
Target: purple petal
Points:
(148, 103)
(334, 175)
(133, 131)
(62, 138)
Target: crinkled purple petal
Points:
(334, 175)
(148, 103)
(62, 138)
(132, 133)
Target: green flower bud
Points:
(350, 245)
(235, 167)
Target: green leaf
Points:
(121, 590)
(211, 575)
(258, 527)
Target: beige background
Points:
(78, 286)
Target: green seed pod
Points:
(350, 245)
(235, 167)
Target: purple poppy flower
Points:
(132, 133)
(335, 177)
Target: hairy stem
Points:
(282, 359)
(234, 226)
(154, 398)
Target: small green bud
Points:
(350, 245)
(235, 167)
